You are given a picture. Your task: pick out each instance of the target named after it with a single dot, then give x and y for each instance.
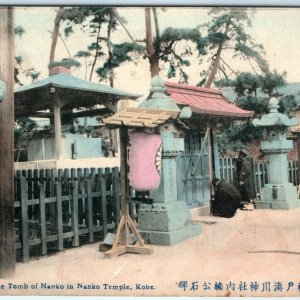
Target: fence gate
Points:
(192, 171)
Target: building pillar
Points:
(57, 129)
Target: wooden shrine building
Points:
(200, 161)
(57, 98)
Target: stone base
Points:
(278, 204)
(200, 211)
(163, 216)
(171, 237)
(278, 197)
(166, 223)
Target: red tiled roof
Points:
(205, 100)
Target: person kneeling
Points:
(227, 199)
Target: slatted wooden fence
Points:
(55, 209)
(260, 172)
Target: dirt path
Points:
(252, 254)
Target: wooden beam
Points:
(79, 114)
(7, 225)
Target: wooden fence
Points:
(56, 209)
(260, 172)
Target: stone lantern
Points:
(167, 220)
(149, 144)
(279, 193)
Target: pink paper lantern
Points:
(144, 160)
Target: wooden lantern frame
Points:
(131, 118)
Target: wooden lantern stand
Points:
(126, 226)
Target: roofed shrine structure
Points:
(211, 104)
(61, 98)
(200, 161)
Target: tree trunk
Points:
(154, 65)
(216, 62)
(215, 68)
(55, 34)
(111, 73)
(152, 53)
(7, 200)
(96, 54)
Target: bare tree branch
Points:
(65, 45)
(122, 24)
(224, 62)
(250, 63)
(125, 28)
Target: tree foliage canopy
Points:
(19, 69)
(253, 92)
(222, 37)
(227, 37)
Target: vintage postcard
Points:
(155, 151)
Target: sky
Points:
(278, 29)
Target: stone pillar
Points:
(279, 193)
(168, 220)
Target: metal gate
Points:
(193, 171)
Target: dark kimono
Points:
(226, 201)
(244, 178)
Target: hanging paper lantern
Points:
(144, 160)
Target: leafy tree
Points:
(226, 35)
(93, 20)
(161, 47)
(253, 92)
(19, 60)
(24, 126)
(65, 62)
(27, 72)
(173, 47)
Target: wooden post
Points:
(43, 219)
(57, 128)
(121, 242)
(24, 213)
(298, 150)
(7, 226)
(103, 202)
(60, 244)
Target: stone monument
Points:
(167, 220)
(279, 193)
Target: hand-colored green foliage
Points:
(19, 70)
(24, 128)
(90, 20)
(253, 92)
(226, 34)
(120, 53)
(65, 62)
(19, 31)
(173, 46)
